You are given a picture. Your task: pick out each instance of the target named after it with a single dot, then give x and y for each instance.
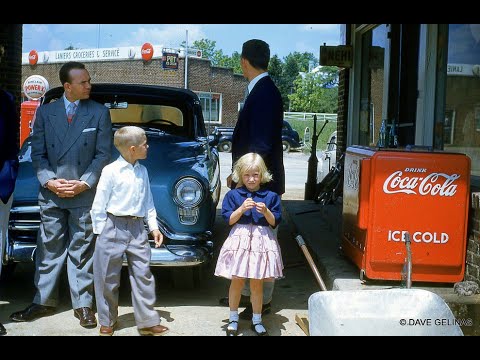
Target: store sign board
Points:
(463, 70)
(147, 51)
(169, 61)
(100, 54)
(35, 86)
(33, 57)
(341, 56)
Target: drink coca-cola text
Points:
(433, 184)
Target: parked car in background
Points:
(290, 138)
(223, 134)
(327, 158)
(183, 165)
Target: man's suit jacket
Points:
(259, 130)
(8, 144)
(78, 151)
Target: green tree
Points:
(290, 72)
(329, 76)
(316, 92)
(232, 62)
(217, 57)
(293, 64)
(275, 69)
(302, 60)
(207, 47)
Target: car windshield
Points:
(159, 110)
(162, 116)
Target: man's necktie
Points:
(246, 95)
(72, 107)
(244, 99)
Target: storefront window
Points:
(372, 92)
(211, 106)
(462, 117)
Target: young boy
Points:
(122, 202)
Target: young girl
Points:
(250, 251)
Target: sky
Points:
(282, 38)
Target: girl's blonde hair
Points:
(128, 136)
(247, 162)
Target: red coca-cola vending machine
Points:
(388, 192)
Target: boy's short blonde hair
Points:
(250, 161)
(128, 136)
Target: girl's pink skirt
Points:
(250, 251)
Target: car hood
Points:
(169, 158)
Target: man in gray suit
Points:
(70, 147)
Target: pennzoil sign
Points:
(341, 56)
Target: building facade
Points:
(218, 88)
(424, 79)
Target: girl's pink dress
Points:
(250, 251)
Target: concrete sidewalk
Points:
(320, 226)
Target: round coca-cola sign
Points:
(147, 51)
(33, 57)
(35, 86)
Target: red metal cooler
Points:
(389, 192)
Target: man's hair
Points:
(65, 70)
(248, 162)
(257, 52)
(128, 136)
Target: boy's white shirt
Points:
(123, 190)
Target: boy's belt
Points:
(128, 217)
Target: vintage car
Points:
(183, 166)
(290, 138)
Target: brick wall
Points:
(472, 271)
(201, 77)
(342, 111)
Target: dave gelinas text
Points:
(436, 322)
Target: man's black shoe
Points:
(3, 331)
(244, 301)
(32, 312)
(248, 312)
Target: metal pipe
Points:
(186, 59)
(409, 261)
(302, 245)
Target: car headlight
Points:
(188, 192)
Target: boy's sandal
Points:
(232, 332)
(259, 329)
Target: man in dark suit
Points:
(8, 166)
(259, 130)
(71, 144)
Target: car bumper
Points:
(180, 255)
(170, 256)
(24, 224)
